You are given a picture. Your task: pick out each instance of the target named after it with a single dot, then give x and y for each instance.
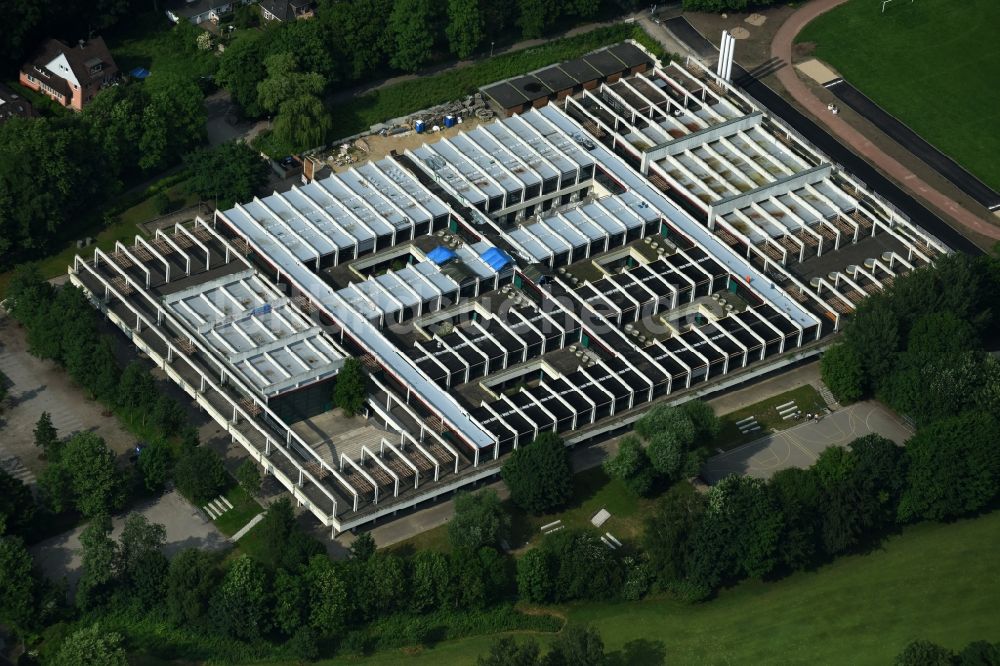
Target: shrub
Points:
(200, 475)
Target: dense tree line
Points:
(919, 345)
(927, 653)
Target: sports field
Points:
(938, 582)
(934, 64)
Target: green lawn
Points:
(244, 508)
(593, 490)
(938, 582)
(934, 64)
(806, 398)
(151, 41)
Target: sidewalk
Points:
(781, 48)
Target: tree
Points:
(539, 475)
(241, 69)
(46, 435)
(668, 531)
(667, 420)
(954, 468)
(363, 547)
(465, 26)
(667, 454)
(64, 180)
(328, 599)
(17, 506)
(99, 556)
(191, 582)
(361, 29)
(925, 653)
(351, 390)
(92, 647)
(136, 390)
(285, 82)
(302, 123)
(577, 645)
(536, 17)
(479, 520)
(505, 651)
(140, 538)
(156, 464)
(227, 173)
(411, 25)
(282, 543)
(800, 497)
(290, 602)
(200, 474)
(17, 585)
(631, 466)
(585, 568)
(706, 423)
(430, 581)
(536, 576)
(87, 472)
(240, 604)
(248, 477)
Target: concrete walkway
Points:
(781, 48)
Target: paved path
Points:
(781, 48)
(800, 446)
(185, 525)
(38, 386)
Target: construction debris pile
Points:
(437, 117)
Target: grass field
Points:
(934, 64)
(938, 582)
(806, 398)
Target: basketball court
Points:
(801, 445)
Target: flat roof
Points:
(531, 87)
(630, 54)
(555, 78)
(505, 95)
(580, 70)
(257, 331)
(605, 62)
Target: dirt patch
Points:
(739, 33)
(756, 19)
(803, 49)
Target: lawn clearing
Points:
(593, 490)
(933, 64)
(805, 397)
(935, 582)
(244, 508)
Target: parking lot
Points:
(801, 445)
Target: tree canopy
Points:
(227, 173)
(539, 475)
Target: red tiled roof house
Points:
(70, 75)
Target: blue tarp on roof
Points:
(441, 255)
(496, 258)
(139, 73)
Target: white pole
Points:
(720, 67)
(732, 56)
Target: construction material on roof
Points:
(441, 255)
(496, 258)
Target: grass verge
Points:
(400, 99)
(928, 63)
(933, 581)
